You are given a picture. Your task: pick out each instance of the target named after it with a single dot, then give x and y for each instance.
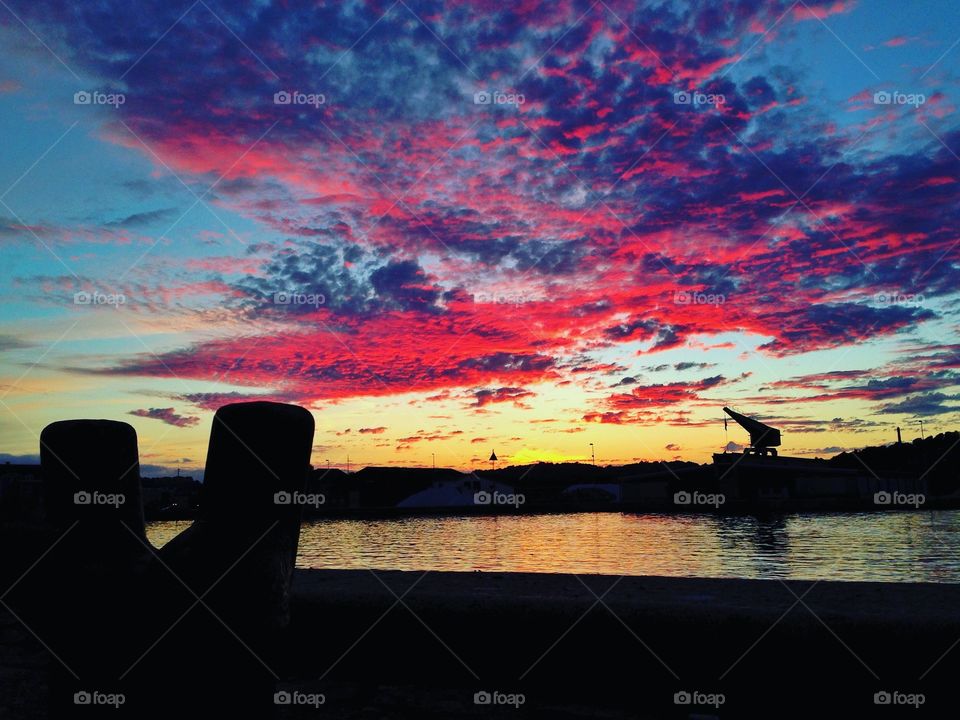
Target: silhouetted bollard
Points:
(91, 477)
(84, 595)
(237, 560)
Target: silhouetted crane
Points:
(763, 438)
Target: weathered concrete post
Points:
(91, 477)
(86, 590)
(237, 560)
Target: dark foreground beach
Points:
(379, 644)
(609, 646)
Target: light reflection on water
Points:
(899, 547)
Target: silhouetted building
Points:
(21, 492)
(170, 498)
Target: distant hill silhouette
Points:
(937, 457)
(542, 484)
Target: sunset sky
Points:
(523, 226)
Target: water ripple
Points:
(897, 547)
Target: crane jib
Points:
(761, 434)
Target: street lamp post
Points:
(593, 454)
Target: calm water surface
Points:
(899, 547)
